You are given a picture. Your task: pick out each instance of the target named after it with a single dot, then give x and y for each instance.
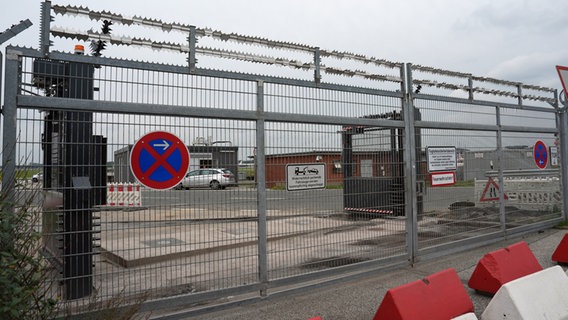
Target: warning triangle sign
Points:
(491, 191)
(563, 73)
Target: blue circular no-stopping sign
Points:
(159, 160)
(540, 154)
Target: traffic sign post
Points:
(563, 74)
(159, 160)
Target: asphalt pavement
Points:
(360, 298)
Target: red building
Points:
(365, 164)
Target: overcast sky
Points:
(517, 40)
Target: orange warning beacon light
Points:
(79, 49)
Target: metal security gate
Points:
(495, 146)
(334, 165)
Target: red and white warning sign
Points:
(563, 74)
(439, 179)
(491, 192)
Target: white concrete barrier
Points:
(521, 192)
(467, 316)
(541, 295)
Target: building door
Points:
(366, 168)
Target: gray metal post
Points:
(9, 111)
(1, 73)
(317, 62)
(261, 191)
(563, 146)
(501, 183)
(9, 34)
(410, 164)
(45, 26)
(520, 94)
(192, 44)
(14, 30)
(470, 90)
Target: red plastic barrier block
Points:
(560, 255)
(501, 266)
(438, 296)
(316, 318)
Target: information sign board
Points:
(441, 159)
(304, 176)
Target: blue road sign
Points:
(159, 160)
(540, 154)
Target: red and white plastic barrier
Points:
(439, 296)
(123, 194)
(501, 266)
(540, 295)
(560, 255)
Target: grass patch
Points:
(465, 183)
(562, 225)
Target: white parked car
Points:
(38, 177)
(214, 178)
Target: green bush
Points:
(24, 290)
(248, 172)
(26, 276)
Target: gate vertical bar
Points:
(499, 153)
(44, 41)
(9, 111)
(7, 35)
(317, 62)
(563, 133)
(409, 163)
(261, 190)
(192, 39)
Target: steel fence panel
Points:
(150, 249)
(533, 194)
(485, 162)
(446, 217)
(309, 228)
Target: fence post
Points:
(44, 41)
(13, 60)
(410, 144)
(192, 39)
(563, 134)
(317, 62)
(501, 182)
(261, 191)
